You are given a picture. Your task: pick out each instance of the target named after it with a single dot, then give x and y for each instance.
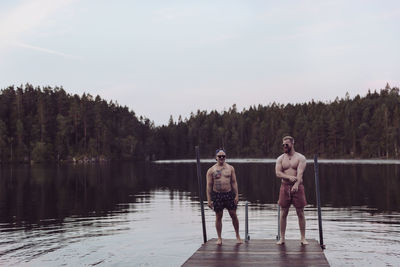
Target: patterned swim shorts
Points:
(223, 200)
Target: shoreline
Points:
(272, 160)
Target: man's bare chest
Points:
(290, 164)
(221, 173)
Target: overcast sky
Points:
(163, 58)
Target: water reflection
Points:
(73, 214)
(34, 194)
(341, 185)
(374, 186)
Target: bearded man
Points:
(289, 168)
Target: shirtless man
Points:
(289, 168)
(222, 192)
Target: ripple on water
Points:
(169, 231)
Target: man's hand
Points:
(236, 199)
(293, 179)
(295, 188)
(210, 204)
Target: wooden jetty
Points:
(261, 252)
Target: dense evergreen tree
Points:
(362, 127)
(48, 124)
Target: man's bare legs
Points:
(218, 225)
(283, 218)
(302, 225)
(235, 223)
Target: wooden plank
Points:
(258, 253)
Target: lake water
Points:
(149, 214)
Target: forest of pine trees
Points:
(48, 124)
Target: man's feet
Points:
(239, 240)
(281, 242)
(304, 242)
(219, 241)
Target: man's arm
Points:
(235, 186)
(209, 189)
(279, 171)
(300, 170)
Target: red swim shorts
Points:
(286, 197)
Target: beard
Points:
(287, 151)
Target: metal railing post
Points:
(316, 169)
(203, 221)
(247, 236)
(278, 236)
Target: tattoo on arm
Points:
(234, 182)
(300, 170)
(209, 185)
(279, 169)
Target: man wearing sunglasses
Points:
(222, 192)
(289, 168)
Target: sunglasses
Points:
(221, 156)
(285, 145)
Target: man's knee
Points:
(218, 215)
(284, 212)
(233, 214)
(300, 213)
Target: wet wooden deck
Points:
(258, 253)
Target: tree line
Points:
(359, 127)
(48, 124)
